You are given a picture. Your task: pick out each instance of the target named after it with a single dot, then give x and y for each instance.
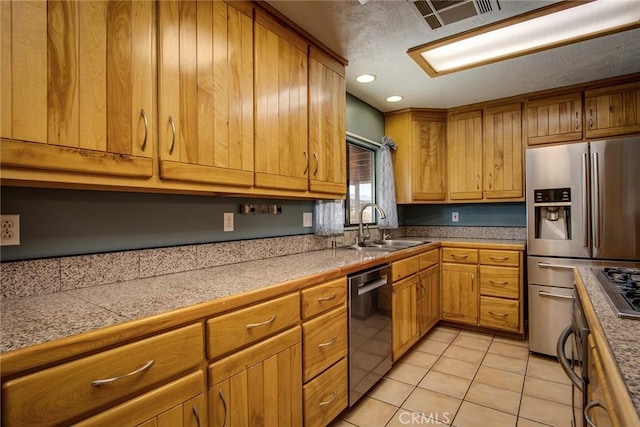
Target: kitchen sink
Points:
(388, 245)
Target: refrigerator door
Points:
(558, 168)
(615, 191)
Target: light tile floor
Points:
(466, 379)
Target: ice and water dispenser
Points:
(553, 213)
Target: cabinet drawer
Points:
(242, 327)
(326, 396)
(405, 267)
(466, 256)
(64, 392)
(503, 282)
(429, 259)
(499, 313)
(324, 341)
(507, 258)
(323, 297)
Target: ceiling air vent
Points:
(438, 13)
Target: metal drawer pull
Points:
(328, 298)
(266, 322)
(306, 167)
(551, 295)
(146, 129)
(499, 258)
(459, 256)
(588, 407)
(328, 343)
(493, 313)
(197, 415)
(577, 122)
(548, 265)
(315, 156)
(334, 394)
(224, 406)
(493, 282)
(146, 366)
(173, 130)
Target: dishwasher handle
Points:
(562, 357)
(372, 286)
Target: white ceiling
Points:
(375, 37)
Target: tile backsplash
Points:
(20, 279)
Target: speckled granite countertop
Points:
(622, 335)
(35, 320)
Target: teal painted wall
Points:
(364, 120)
(490, 214)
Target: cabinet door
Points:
(281, 152)
(554, 119)
(465, 156)
(503, 155)
(78, 86)
(613, 111)
(206, 93)
(460, 293)
(327, 122)
(259, 386)
(404, 313)
(429, 299)
(428, 158)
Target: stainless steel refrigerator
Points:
(583, 208)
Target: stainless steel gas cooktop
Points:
(622, 288)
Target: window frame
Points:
(365, 144)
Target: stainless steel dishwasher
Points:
(369, 329)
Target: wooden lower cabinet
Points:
(404, 317)
(326, 395)
(177, 404)
(260, 385)
(428, 299)
(460, 292)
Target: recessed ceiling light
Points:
(365, 78)
(545, 28)
(395, 98)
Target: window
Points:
(361, 168)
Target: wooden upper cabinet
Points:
(612, 110)
(464, 146)
(205, 94)
(554, 119)
(77, 86)
(419, 161)
(282, 159)
(327, 124)
(503, 152)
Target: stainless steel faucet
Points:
(362, 237)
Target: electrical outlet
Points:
(307, 219)
(228, 221)
(9, 230)
(454, 217)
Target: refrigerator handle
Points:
(596, 200)
(585, 199)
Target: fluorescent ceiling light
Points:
(365, 78)
(395, 98)
(546, 28)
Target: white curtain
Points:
(329, 217)
(387, 188)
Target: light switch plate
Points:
(307, 219)
(228, 221)
(454, 217)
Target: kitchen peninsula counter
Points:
(621, 335)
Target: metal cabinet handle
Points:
(334, 394)
(590, 118)
(549, 265)
(333, 296)
(577, 124)
(499, 258)
(173, 130)
(306, 167)
(146, 367)
(589, 406)
(266, 322)
(315, 156)
(478, 181)
(456, 256)
(196, 414)
(442, 182)
(493, 313)
(552, 295)
(493, 282)
(328, 343)
(224, 406)
(562, 357)
(146, 129)
(473, 279)
(490, 179)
